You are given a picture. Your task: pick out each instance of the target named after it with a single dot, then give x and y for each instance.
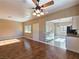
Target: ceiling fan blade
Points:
(35, 2)
(47, 4)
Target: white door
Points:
(36, 31)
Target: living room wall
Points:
(10, 29)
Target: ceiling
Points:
(68, 19)
(20, 10)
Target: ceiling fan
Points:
(36, 2)
(39, 8)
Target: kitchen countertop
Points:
(72, 35)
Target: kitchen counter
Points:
(72, 35)
(72, 43)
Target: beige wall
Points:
(10, 29)
(72, 11)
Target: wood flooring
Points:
(29, 49)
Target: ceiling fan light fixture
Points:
(34, 13)
(42, 13)
(37, 11)
(38, 15)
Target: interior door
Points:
(36, 31)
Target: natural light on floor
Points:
(11, 41)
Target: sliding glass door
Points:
(56, 31)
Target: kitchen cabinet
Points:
(72, 44)
(75, 22)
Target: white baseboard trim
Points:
(42, 42)
(37, 40)
(76, 51)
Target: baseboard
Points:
(41, 42)
(72, 51)
(36, 40)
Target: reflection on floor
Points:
(7, 42)
(58, 41)
(34, 50)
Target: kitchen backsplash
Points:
(78, 32)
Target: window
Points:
(27, 29)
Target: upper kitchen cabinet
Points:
(75, 22)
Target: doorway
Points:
(56, 31)
(36, 31)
